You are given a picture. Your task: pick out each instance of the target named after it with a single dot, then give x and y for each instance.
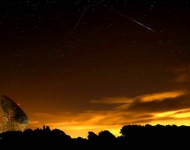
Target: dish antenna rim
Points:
(8, 104)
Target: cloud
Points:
(160, 96)
(145, 98)
(165, 107)
(167, 104)
(149, 102)
(116, 100)
(182, 73)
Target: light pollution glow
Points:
(113, 120)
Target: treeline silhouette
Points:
(132, 136)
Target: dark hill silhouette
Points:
(132, 136)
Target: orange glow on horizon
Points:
(78, 125)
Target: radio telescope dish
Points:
(14, 117)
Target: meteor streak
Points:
(85, 9)
(80, 18)
(133, 20)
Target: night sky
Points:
(96, 65)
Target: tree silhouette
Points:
(133, 136)
(106, 136)
(92, 136)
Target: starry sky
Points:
(94, 65)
